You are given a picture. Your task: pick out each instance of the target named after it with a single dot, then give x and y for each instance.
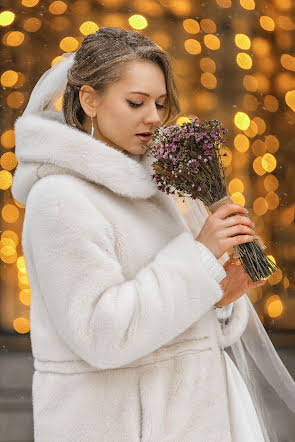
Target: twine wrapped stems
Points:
(251, 255)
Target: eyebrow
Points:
(147, 95)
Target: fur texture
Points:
(125, 338)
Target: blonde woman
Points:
(126, 333)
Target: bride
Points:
(140, 329)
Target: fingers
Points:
(238, 219)
(227, 209)
(236, 240)
(238, 230)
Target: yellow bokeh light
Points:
(248, 4)
(205, 101)
(290, 99)
(288, 62)
(267, 23)
(271, 103)
(252, 130)
(261, 47)
(275, 278)
(5, 179)
(257, 166)
(272, 200)
(272, 143)
(241, 143)
(21, 264)
(285, 22)
(212, 42)
(269, 163)
(238, 198)
(244, 60)
(138, 21)
(283, 5)
(250, 83)
(15, 99)
(8, 254)
(208, 26)
(208, 65)
(242, 41)
(224, 3)
(69, 44)
(208, 80)
(10, 213)
(192, 46)
(286, 283)
(260, 125)
(250, 102)
(242, 121)
(191, 26)
(149, 7)
(271, 183)
(14, 38)
(8, 139)
(8, 242)
(260, 206)
(88, 27)
(30, 3)
(287, 216)
(11, 235)
(25, 296)
(235, 185)
(57, 7)
(274, 306)
(32, 24)
(8, 161)
(9, 78)
(263, 82)
(6, 18)
(21, 325)
(180, 7)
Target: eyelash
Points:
(131, 104)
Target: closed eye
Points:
(131, 104)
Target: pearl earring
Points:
(92, 127)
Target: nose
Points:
(152, 117)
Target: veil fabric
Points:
(270, 385)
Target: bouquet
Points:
(189, 161)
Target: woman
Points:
(125, 333)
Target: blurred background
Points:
(234, 61)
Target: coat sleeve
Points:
(104, 318)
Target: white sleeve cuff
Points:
(224, 312)
(211, 263)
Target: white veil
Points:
(50, 87)
(270, 385)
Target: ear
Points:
(88, 100)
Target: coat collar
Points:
(46, 145)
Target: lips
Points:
(144, 137)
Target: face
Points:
(129, 111)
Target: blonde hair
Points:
(99, 62)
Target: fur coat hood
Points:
(42, 149)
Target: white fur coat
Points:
(125, 338)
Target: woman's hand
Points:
(219, 233)
(236, 282)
